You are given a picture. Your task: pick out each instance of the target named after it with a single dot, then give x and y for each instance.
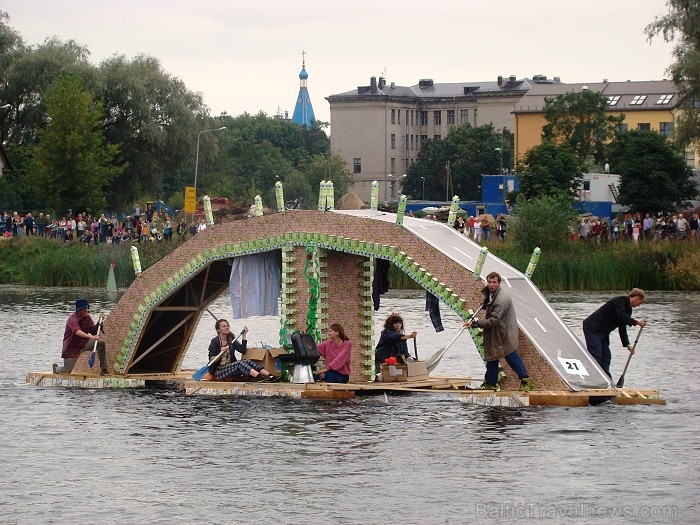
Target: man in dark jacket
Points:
(616, 313)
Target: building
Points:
(303, 110)
(379, 129)
(647, 105)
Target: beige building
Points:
(379, 129)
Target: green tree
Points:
(542, 222)
(654, 177)
(470, 151)
(682, 25)
(549, 169)
(156, 119)
(580, 120)
(71, 166)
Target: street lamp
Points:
(392, 184)
(500, 150)
(196, 161)
(423, 179)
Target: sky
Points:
(245, 56)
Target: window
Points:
(437, 118)
(664, 99)
(393, 141)
(463, 116)
(638, 100)
(406, 142)
(392, 186)
(411, 117)
(622, 127)
(398, 116)
(690, 158)
(393, 116)
(474, 123)
(423, 118)
(357, 165)
(666, 129)
(613, 100)
(423, 139)
(393, 165)
(450, 117)
(437, 137)
(644, 126)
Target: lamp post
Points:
(196, 161)
(397, 178)
(423, 179)
(500, 150)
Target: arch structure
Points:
(152, 325)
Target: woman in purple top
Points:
(336, 350)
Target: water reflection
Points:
(154, 454)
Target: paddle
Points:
(435, 359)
(197, 376)
(621, 381)
(415, 348)
(91, 359)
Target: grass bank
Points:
(36, 261)
(613, 266)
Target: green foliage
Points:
(654, 177)
(470, 151)
(549, 169)
(542, 222)
(71, 165)
(156, 119)
(580, 121)
(682, 25)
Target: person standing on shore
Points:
(615, 313)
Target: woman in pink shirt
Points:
(336, 350)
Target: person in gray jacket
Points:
(500, 327)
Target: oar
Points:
(415, 348)
(435, 359)
(199, 374)
(621, 381)
(91, 359)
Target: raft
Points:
(458, 387)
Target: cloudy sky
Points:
(245, 56)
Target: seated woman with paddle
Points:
(223, 364)
(336, 350)
(392, 341)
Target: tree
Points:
(549, 169)
(156, 119)
(542, 222)
(683, 23)
(654, 177)
(470, 151)
(580, 121)
(71, 166)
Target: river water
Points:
(142, 456)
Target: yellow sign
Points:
(190, 199)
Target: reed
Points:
(662, 265)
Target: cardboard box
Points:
(412, 371)
(265, 357)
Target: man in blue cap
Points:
(81, 335)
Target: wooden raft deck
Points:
(457, 386)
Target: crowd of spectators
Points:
(86, 228)
(634, 228)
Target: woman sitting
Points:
(392, 341)
(336, 350)
(227, 367)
